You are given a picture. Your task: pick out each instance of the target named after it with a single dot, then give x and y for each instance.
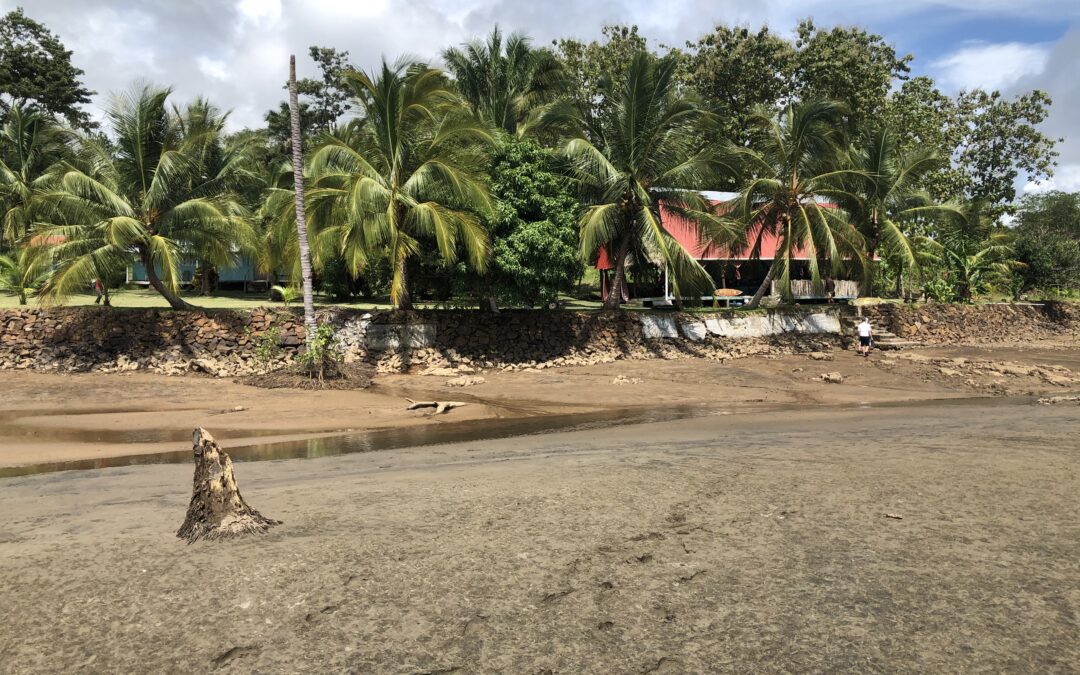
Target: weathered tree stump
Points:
(217, 511)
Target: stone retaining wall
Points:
(110, 339)
(224, 342)
(947, 323)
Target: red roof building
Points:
(729, 268)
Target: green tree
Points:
(649, 148)
(974, 252)
(1003, 140)
(505, 82)
(232, 158)
(152, 194)
(849, 65)
(795, 161)
(533, 227)
(325, 100)
(989, 140)
(1048, 241)
(30, 144)
(734, 69)
(22, 272)
(920, 116)
(889, 201)
(595, 70)
(36, 70)
(409, 172)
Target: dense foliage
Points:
(36, 71)
(498, 181)
(533, 227)
(1048, 242)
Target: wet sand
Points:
(752, 534)
(729, 543)
(47, 418)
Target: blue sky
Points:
(236, 51)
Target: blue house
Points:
(235, 277)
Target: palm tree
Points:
(407, 172)
(30, 143)
(647, 149)
(890, 201)
(224, 161)
(153, 195)
(300, 216)
(504, 83)
(975, 255)
(23, 271)
(796, 162)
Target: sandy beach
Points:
(754, 536)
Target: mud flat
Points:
(722, 543)
(52, 418)
(920, 516)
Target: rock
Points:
(820, 356)
(465, 381)
(440, 371)
(623, 379)
(1054, 400)
(832, 378)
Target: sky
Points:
(236, 52)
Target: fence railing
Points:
(804, 288)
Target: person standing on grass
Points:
(99, 289)
(866, 336)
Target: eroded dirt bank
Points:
(733, 543)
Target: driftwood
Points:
(440, 406)
(217, 511)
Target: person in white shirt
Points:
(866, 337)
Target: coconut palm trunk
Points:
(618, 278)
(403, 298)
(174, 300)
(765, 287)
(298, 190)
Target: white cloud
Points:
(1066, 178)
(990, 65)
(259, 11)
(213, 68)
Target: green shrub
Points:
(322, 358)
(268, 348)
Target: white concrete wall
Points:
(653, 327)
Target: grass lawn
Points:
(224, 300)
(150, 298)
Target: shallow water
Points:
(379, 439)
(325, 445)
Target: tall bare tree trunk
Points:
(174, 300)
(217, 511)
(298, 192)
(766, 285)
